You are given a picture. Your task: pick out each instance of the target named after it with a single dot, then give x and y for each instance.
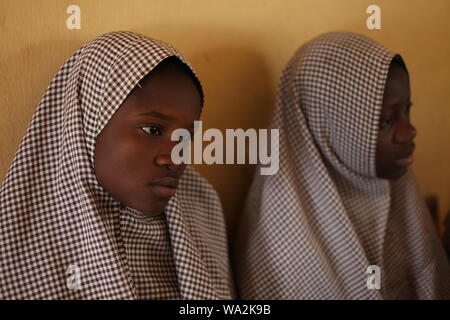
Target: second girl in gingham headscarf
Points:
(342, 205)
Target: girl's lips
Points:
(169, 182)
(404, 162)
(164, 187)
(163, 191)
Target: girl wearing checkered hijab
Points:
(342, 219)
(88, 209)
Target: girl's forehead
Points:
(397, 86)
(169, 102)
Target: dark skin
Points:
(133, 152)
(395, 144)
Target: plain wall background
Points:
(238, 48)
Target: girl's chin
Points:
(395, 173)
(398, 172)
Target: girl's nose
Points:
(163, 159)
(407, 132)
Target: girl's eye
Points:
(152, 130)
(385, 123)
(408, 109)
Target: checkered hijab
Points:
(312, 230)
(56, 219)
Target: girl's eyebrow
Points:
(157, 114)
(163, 116)
(397, 105)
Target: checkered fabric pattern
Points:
(149, 255)
(53, 212)
(311, 230)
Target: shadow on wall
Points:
(239, 94)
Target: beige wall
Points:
(238, 48)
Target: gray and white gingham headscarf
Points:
(312, 230)
(54, 216)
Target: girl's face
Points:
(133, 151)
(395, 144)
